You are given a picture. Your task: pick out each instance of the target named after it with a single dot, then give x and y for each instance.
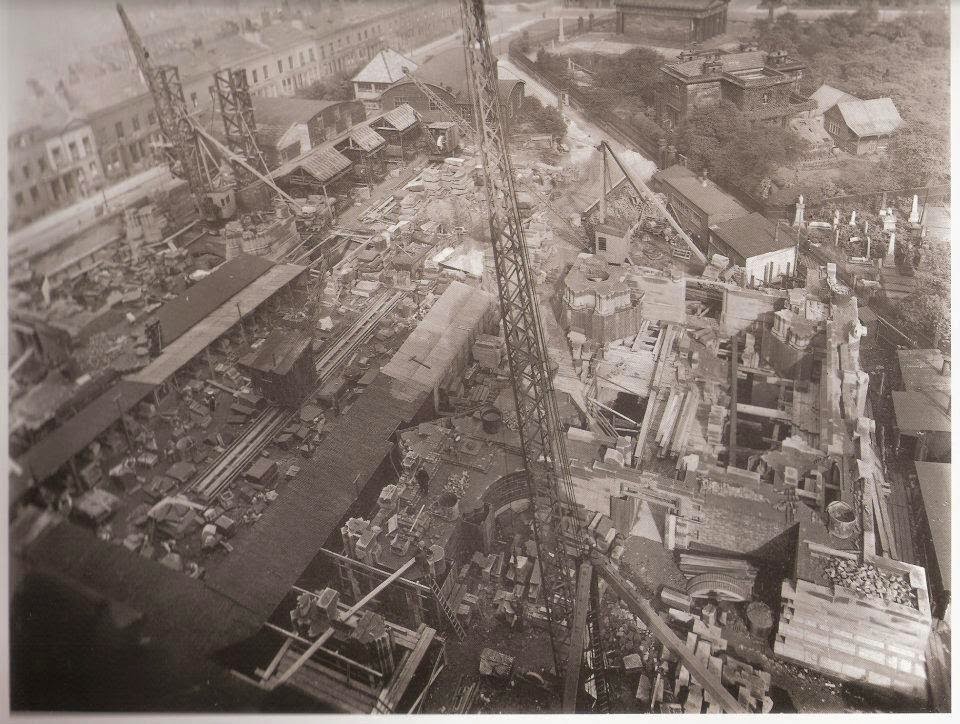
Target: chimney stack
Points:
(703, 178)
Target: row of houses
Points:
(72, 137)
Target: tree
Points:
(336, 88)
(734, 149)
(543, 119)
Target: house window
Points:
(26, 170)
(193, 99)
(87, 146)
(399, 101)
(42, 163)
(255, 77)
(151, 118)
(74, 154)
(279, 65)
(34, 194)
(313, 58)
(601, 243)
(19, 197)
(266, 72)
(56, 152)
(323, 53)
(434, 106)
(301, 57)
(290, 62)
(118, 127)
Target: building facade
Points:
(383, 70)
(675, 22)
(766, 253)
(289, 127)
(696, 202)
(763, 85)
(281, 57)
(860, 127)
(51, 163)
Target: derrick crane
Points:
(558, 537)
(191, 151)
(182, 148)
(570, 599)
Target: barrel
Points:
(841, 520)
(490, 419)
(759, 619)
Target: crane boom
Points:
(557, 534)
(163, 81)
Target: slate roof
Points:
(827, 97)
(385, 67)
(751, 235)
(54, 450)
(323, 163)
(272, 555)
(709, 198)
(448, 70)
(934, 479)
(180, 314)
(876, 117)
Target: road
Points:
(582, 135)
(751, 10)
(45, 233)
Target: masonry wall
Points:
(739, 525)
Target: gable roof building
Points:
(826, 97)
(754, 242)
(860, 127)
(383, 70)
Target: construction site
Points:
(441, 417)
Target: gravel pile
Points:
(867, 579)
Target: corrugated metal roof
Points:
(54, 450)
(366, 138)
(400, 118)
(876, 117)
(934, 479)
(826, 96)
(271, 556)
(180, 314)
(216, 323)
(323, 163)
(425, 356)
(751, 235)
(921, 411)
(385, 67)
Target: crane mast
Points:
(182, 150)
(558, 537)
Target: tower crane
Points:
(192, 152)
(569, 588)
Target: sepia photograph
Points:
(477, 357)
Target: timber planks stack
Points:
(240, 454)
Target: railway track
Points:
(245, 449)
(361, 329)
(240, 454)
